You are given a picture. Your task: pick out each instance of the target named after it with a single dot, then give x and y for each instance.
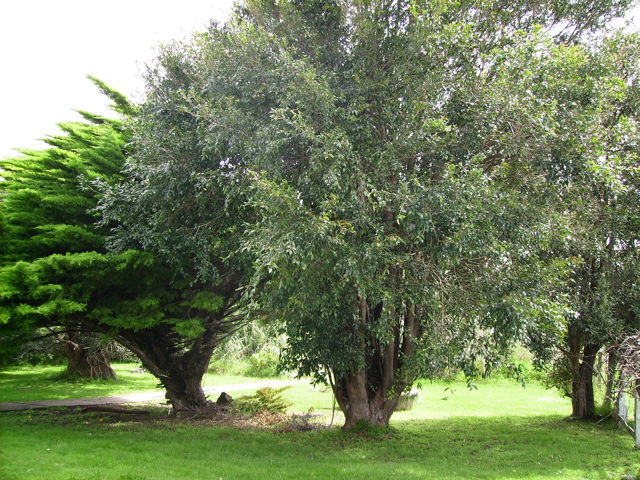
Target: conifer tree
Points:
(48, 202)
(56, 272)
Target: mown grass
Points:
(499, 431)
(46, 447)
(35, 383)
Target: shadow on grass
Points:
(461, 448)
(51, 383)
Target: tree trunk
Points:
(179, 369)
(582, 394)
(612, 364)
(184, 391)
(84, 361)
(369, 396)
(360, 405)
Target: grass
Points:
(48, 383)
(29, 383)
(499, 431)
(436, 401)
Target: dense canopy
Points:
(393, 178)
(56, 272)
(409, 186)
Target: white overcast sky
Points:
(47, 47)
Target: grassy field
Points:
(48, 383)
(499, 431)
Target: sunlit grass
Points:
(40, 445)
(35, 383)
(497, 431)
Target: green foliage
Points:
(392, 179)
(264, 363)
(48, 196)
(266, 399)
(56, 271)
(558, 376)
(599, 187)
(206, 301)
(253, 350)
(47, 201)
(43, 352)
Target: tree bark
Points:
(361, 406)
(180, 370)
(83, 361)
(582, 369)
(370, 395)
(612, 363)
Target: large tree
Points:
(58, 275)
(427, 211)
(599, 191)
(398, 162)
(46, 200)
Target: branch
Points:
(100, 408)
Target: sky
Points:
(48, 47)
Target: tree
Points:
(600, 193)
(61, 277)
(393, 170)
(191, 224)
(47, 202)
(171, 323)
(377, 254)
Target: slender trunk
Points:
(582, 395)
(612, 364)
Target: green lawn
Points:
(47, 383)
(499, 431)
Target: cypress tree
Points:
(48, 208)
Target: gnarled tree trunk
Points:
(184, 385)
(361, 404)
(178, 367)
(83, 360)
